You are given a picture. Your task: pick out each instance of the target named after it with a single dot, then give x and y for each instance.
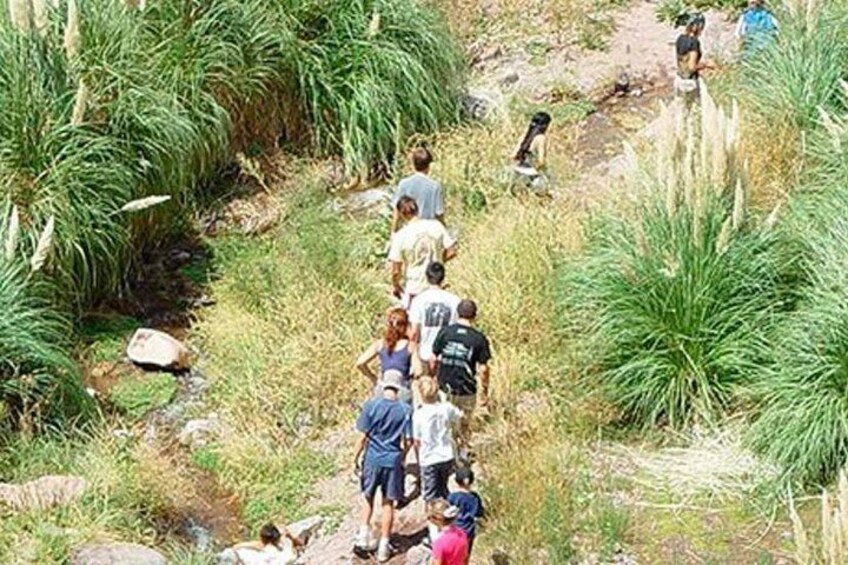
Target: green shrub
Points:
(673, 298)
(37, 376)
(136, 396)
(675, 325)
(801, 71)
(802, 415)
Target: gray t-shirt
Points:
(426, 192)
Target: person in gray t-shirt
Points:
(426, 192)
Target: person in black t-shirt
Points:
(689, 59)
(459, 353)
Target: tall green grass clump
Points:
(674, 296)
(800, 72)
(802, 418)
(106, 106)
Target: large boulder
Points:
(42, 493)
(117, 552)
(152, 348)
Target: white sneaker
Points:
(384, 551)
(365, 542)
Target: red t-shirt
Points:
(451, 547)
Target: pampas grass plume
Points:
(40, 16)
(72, 33)
(19, 14)
(80, 104)
(13, 229)
(738, 205)
(45, 244)
(144, 203)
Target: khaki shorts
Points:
(467, 403)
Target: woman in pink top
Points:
(451, 547)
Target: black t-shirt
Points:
(460, 349)
(687, 44)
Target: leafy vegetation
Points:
(117, 104)
(137, 395)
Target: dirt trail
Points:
(643, 48)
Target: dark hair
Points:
(421, 159)
(467, 309)
(691, 20)
(435, 273)
(538, 125)
(407, 206)
(269, 534)
(464, 477)
(397, 326)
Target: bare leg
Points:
(388, 508)
(367, 512)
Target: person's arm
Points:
(417, 367)
(440, 204)
(364, 360)
(415, 334)
(397, 279)
(541, 151)
(396, 262)
(361, 442)
(484, 385)
(254, 545)
(449, 244)
(483, 359)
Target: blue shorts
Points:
(388, 479)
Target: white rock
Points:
(42, 493)
(304, 530)
(197, 433)
(114, 553)
(158, 349)
(373, 201)
(418, 555)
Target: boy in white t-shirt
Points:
(430, 311)
(432, 432)
(413, 248)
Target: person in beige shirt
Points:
(416, 245)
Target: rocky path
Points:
(641, 48)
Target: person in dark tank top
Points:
(395, 352)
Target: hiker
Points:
(469, 503)
(432, 425)
(756, 28)
(416, 245)
(426, 192)
(451, 545)
(385, 427)
(460, 351)
(274, 547)
(531, 155)
(431, 430)
(395, 351)
(687, 83)
(431, 311)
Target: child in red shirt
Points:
(451, 547)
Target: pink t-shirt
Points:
(451, 547)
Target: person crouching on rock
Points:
(385, 425)
(274, 546)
